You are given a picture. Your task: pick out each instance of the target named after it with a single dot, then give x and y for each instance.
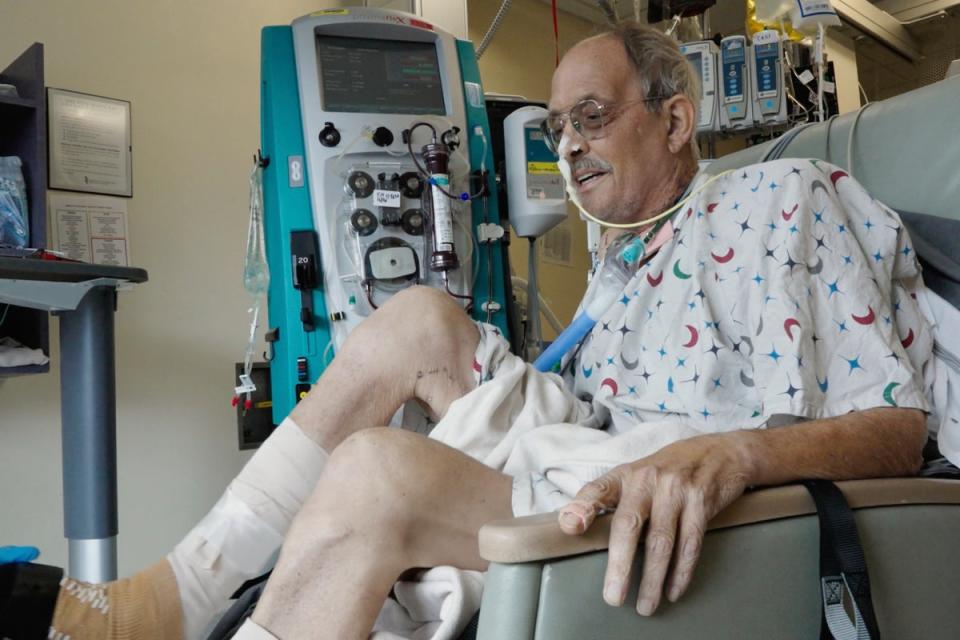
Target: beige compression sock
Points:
(143, 607)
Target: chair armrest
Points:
(538, 537)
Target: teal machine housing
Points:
(300, 334)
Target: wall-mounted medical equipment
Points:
(702, 56)
(536, 193)
(769, 90)
(736, 104)
(375, 128)
(537, 199)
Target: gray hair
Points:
(662, 70)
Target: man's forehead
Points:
(596, 68)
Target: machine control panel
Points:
(737, 111)
(702, 56)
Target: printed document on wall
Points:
(90, 228)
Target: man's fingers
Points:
(661, 535)
(603, 493)
(693, 522)
(625, 530)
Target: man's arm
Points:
(676, 491)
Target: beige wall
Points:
(520, 61)
(191, 71)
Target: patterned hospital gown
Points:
(785, 292)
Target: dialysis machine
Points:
(702, 56)
(379, 173)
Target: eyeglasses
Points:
(588, 118)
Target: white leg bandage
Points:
(241, 535)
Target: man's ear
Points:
(681, 126)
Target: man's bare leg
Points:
(388, 501)
(419, 345)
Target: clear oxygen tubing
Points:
(256, 273)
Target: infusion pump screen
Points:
(367, 75)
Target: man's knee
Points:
(377, 476)
(424, 318)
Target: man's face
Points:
(630, 157)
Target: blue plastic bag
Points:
(14, 230)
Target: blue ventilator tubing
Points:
(623, 257)
(550, 359)
(609, 289)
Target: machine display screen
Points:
(368, 75)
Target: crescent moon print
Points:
(725, 258)
(866, 319)
(694, 336)
(835, 177)
(677, 272)
(789, 324)
(611, 383)
(817, 184)
(888, 393)
(655, 282)
(906, 342)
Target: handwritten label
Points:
(383, 198)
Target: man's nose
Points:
(573, 145)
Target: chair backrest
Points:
(904, 149)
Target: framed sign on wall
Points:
(89, 143)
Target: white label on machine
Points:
(384, 198)
(806, 77)
(442, 218)
(393, 262)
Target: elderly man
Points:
(772, 298)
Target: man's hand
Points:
(673, 493)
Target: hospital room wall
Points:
(520, 61)
(191, 71)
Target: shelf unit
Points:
(23, 133)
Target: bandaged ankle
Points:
(241, 535)
(143, 607)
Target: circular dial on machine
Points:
(411, 186)
(412, 221)
(363, 222)
(360, 184)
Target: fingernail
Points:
(571, 520)
(612, 593)
(674, 594)
(645, 607)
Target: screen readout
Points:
(368, 75)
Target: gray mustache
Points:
(589, 163)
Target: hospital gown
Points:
(786, 292)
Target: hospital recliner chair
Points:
(758, 575)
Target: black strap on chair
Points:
(843, 568)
